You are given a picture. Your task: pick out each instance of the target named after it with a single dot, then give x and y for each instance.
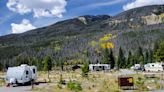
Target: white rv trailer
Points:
(99, 67)
(136, 67)
(21, 74)
(154, 67)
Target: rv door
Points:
(27, 76)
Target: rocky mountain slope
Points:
(71, 38)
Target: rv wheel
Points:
(8, 85)
(36, 83)
(16, 82)
(14, 85)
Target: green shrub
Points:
(85, 70)
(140, 84)
(140, 81)
(74, 86)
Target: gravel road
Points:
(22, 88)
(16, 89)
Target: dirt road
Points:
(16, 89)
(22, 88)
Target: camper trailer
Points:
(154, 67)
(99, 67)
(21, 74)
(137, 67)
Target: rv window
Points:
(34, 71)
(93, 67)
(26, 72)
(152, 65)
(103, 67)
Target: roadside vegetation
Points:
(96, 82)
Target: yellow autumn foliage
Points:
(105, 38)
(104, 42)
(107, 45)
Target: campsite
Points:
(97, 81)
(81, 45)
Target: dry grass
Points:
(2, 81)
(96, 81)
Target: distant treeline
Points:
(107, 56)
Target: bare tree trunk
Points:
(48, 76)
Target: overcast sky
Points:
(17, 16)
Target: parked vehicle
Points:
(154, 67)
(99, 67)
(21, 74)
(136, 67)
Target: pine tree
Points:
(39, 64)
(129, 61)
(62, 64)
(139, 56)
(151, 57)
(47, 65)
(146, 59)
(133, 60)
(109, 58)
(156, 46)
(112, 59)
(1, 66)
(121, 59)
(106, 58)
(159, 54)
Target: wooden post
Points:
(32, 84)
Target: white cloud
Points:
(140, 3)
(40, 8)
(24, 26)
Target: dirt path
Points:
(16, 89)
(26, 88)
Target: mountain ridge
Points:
(69, 38)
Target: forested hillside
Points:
(132, 37)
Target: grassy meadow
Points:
(95, 82)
